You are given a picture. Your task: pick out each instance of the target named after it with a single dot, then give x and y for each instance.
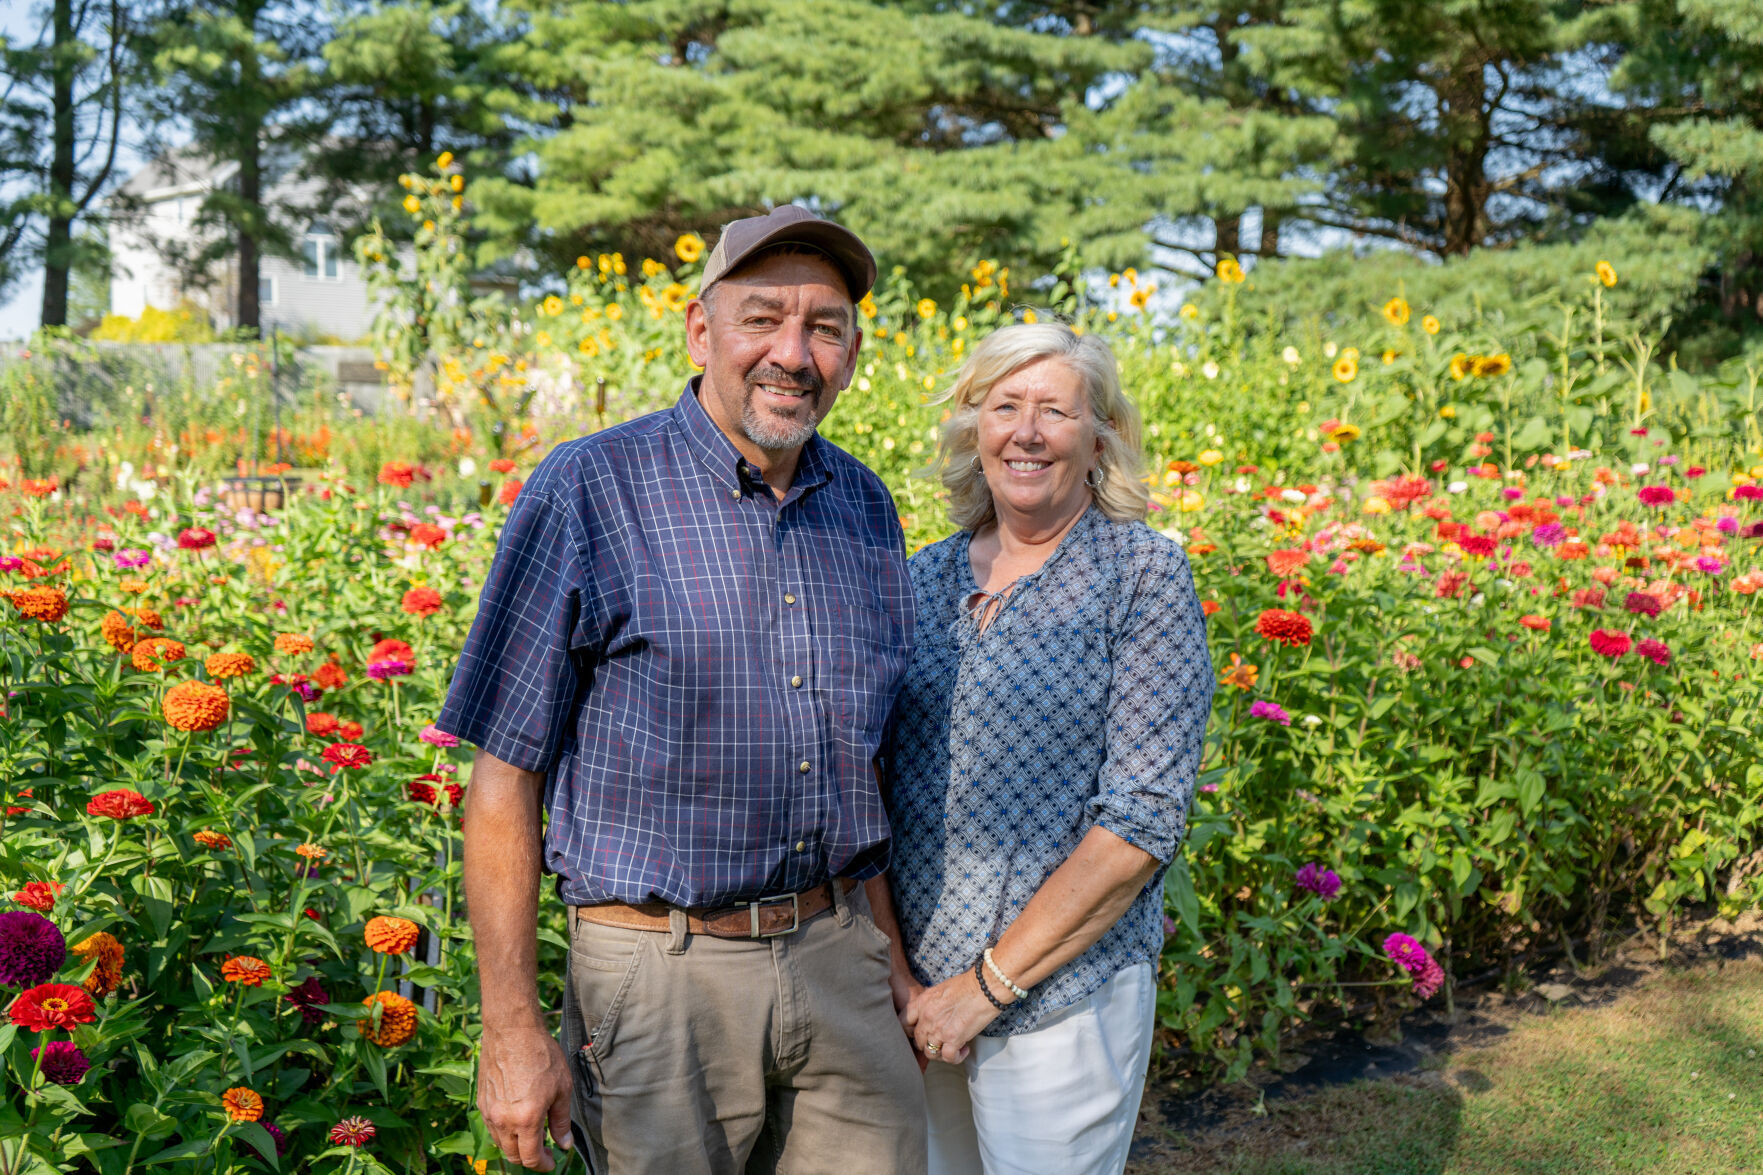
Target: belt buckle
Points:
(795, 915)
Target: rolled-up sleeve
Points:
(515, 691)
(1159, 699)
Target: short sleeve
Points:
(515, 691)
(1159, 700)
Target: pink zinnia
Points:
(1324, 883)
(1272, 711)
(1406, 952)
(436, 737)
(1749, 493)
(1656, 496)
(1710, 564)
(1643, 604)
(1610, 643)
(1655, 651)
(1428, 979)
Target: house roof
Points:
(179, 171)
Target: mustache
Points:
(807, 379)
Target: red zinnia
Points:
(1539, 623)
(195, 538)
(392, 649)
(422, 601)
(502, 465)
(1287, 628)
(427, 534)
(49, 1006)
(330, 675)
(397, 473)
(348, 755)
(120, 804)
(39, 895)
(1655, 651)
(1643, 604)
(320, 724)
(352, 1132)
(510, 491)
(1610, 643)
(1656, 496)
(1476, 546)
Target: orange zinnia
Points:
(117, 632)
(1240, 674)
(1539, 623)
(150, 618)
(1285, 563)
(293, 644)
(108, 973)
(1210, 607)
(242, 1105)
(397, 1019)
(224, 665)
(195, 706)
(391, 936)
(246, 969)
(209, 839)
(312, 852)
(44, 604)
(142, 657)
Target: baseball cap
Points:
(791, 224)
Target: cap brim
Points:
(840, 245)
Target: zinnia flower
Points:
(117, 632)
(383, 670)
(49, 1006)
(109, 955)
(39, 895)
(242, 1105)
(132, 558)
(144, 652)
(351, 755)
(1287, 628)
(195, 706)
(1285, 563)
(330, 675)
(209, 839)
(245, 969)
(221, 666)
(1476, 546)
(1428, 979)
(502, 465)
(277, 1135)
(293, 644)
(397, 1019)
(510, 491)
(309, 997)
(1655, 495)
(421, 601)
(1405, 952)
(391, 649)
(427, 534)
(1643, 604)
(195, 538)
(1538, 623)
(1271, 711)
(397, 473)
(120, 804)
(31, 948)
(320, 724)
(391, 936)
(62, 1062)
(1549, 534)
(1610, 643)
(1748, 493)
(1655, 651)
(1587, 598)
(352, 1132)
(45, 605)
(1324, 883)
(436, 737)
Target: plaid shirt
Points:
(703, 672)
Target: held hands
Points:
(524, 1084)
(948, 1015)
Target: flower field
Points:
(1482, 603)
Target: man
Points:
(684, 656)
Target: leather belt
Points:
(765, 918)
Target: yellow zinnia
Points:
(444, 160)
(412, 205)
(1210, 457)
(1396, 310)
(689, 247)
(1346, 368)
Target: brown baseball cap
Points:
(791, 224)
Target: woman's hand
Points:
(950, 1015)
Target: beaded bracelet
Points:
(979, 973)
(992, 965)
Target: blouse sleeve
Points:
(1159, 700)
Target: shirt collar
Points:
(718, 454)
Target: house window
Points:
(266, 291)
(320, 250)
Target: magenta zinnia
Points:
(1655, 651)
(1643, 604)
(1324, 883)
(31, 949)
(1610, 643)
(63, 1062)
(1271, 711)
(1656, 496)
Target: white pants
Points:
(1060, 1100)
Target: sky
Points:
(18, 317)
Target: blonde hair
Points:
(1120, 466)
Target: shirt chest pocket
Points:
(865, 658)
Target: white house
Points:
(153, 228)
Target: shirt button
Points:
(801, 846)
(789, 599)
(803, 768)
(796, 681)
(735, 494)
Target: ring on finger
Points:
(932, 1049)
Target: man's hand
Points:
(524, 1085)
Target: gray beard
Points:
(774, 433)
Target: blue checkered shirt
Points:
(702, 671)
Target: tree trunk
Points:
(58, 243)
(1465, 122)
(250, 148)
(1230, 233)
(1269, 234)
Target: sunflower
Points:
(675, 296)
(689, 247)
(1344, 432)
(1491, 365)
(1430, 325)
(1461, 365)
(1229, 272)
(1606, 273)
(1396, 311)
(1346, 368)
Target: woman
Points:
(1043, 755)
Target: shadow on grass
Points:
(1399, 1126)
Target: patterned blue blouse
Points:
(1083, 702)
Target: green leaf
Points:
(261, 1140)
(156, 899)
(1178, 888)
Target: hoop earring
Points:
(1100, 478)
(973, 463)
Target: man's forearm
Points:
(503, 848)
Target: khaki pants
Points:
(705, 1056)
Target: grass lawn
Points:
(1666, 1078)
